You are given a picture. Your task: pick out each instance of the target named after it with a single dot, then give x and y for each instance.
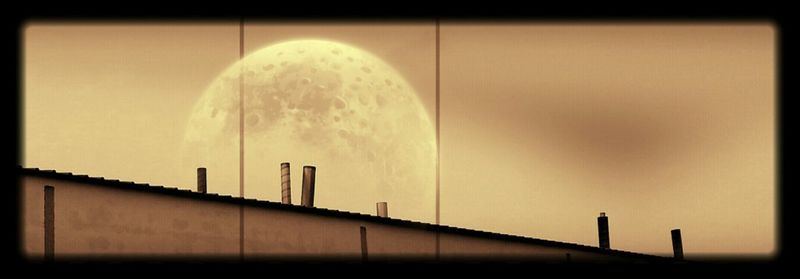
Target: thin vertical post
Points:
(49, 223)
(437, 139)
(241, 138)
(363, 243)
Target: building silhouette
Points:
(64, 215)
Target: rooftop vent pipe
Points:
(201, 180)
(383, 209)
(308, 186)
(286, 184)
(602, 229)
(677, 244)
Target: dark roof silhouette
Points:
(174, 191)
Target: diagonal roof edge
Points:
(174, 191)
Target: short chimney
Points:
(602, 230)
(383, 209)
(677, 244)
(308, 186)
(286, 184)
(201, 180)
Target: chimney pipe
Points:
(677, 244)
(201, 180)
(602, 229)
(383, 209)
(286, 184)
(308, 186)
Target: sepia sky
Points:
(543, 125)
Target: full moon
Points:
(321, 103)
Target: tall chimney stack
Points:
(201, 180)
(602, 229)
(308, 186)
(286, 184)
(383, 209)
(677, 244)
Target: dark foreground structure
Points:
(65, 216)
